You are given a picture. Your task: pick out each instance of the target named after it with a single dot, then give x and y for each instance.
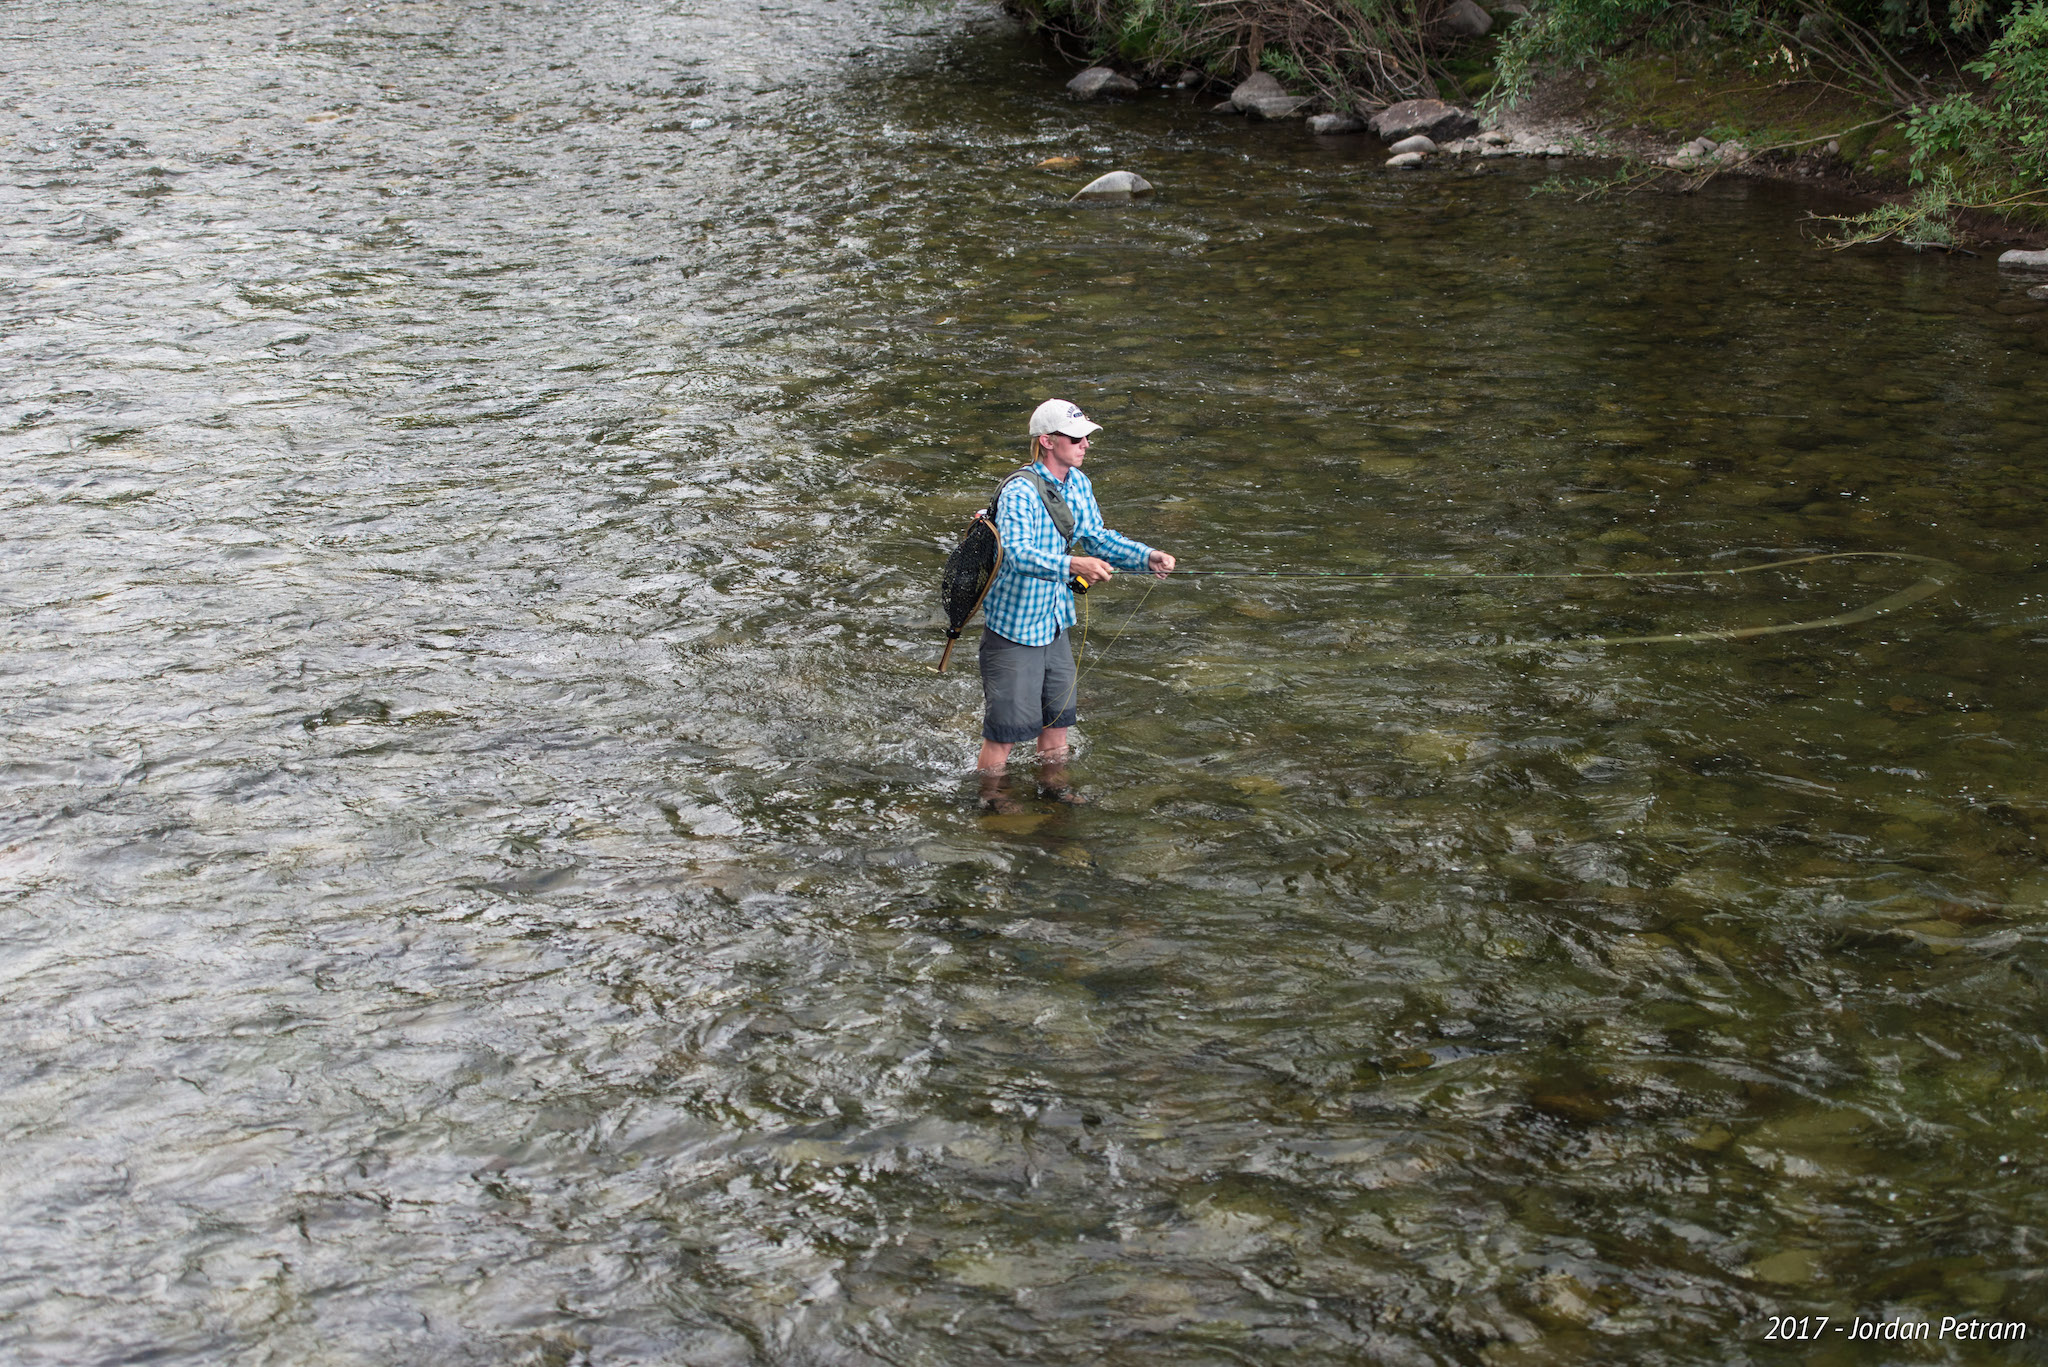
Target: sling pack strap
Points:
(1048, 494)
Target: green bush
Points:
(1978, 132)
(2001, 140)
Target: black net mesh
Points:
(968, 570)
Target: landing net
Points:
(964, 582)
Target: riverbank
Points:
(1650, 114)
(1667, 123)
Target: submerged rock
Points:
(1416, 143)
(2026, 261)
(1466, 20)
(1793, 1267)
(1278, 107)
(1336, 123)
(1431, 118)
(1099, 82)
(1117, 185)
(1406, 160)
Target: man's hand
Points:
(1160, 563)
(1089, 568)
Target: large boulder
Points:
(1099, 83)
(1330, 124)
(1432, 118)
(1465, 20)
(2026, 261)
(1260, 85)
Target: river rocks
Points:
(1417, 143)
(2025, 261)
(1263, 97)
(1465, 20)
(1693, 153)
(1117, 186)
(1260, 85)
(1327, 124)
(1704, 151)
(1498, 142)
(1431, 118)
(1405, 161)
(1099, 83)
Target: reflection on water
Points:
(492, 875)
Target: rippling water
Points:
(490, 875)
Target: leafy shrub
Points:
(2001, 139)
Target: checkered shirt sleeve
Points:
(1030, 602)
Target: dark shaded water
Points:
(490, 875)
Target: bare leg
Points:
(995, 796)
(1052, 765)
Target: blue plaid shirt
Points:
(1029, 602)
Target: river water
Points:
(491, 876)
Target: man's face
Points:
(1064, 452)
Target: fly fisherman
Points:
(1027, 656)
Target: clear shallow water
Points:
(490, 875)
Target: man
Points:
(1027, 656)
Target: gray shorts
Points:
(1027, 688)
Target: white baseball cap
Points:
(1057, 415)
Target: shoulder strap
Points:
(1048, 493)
